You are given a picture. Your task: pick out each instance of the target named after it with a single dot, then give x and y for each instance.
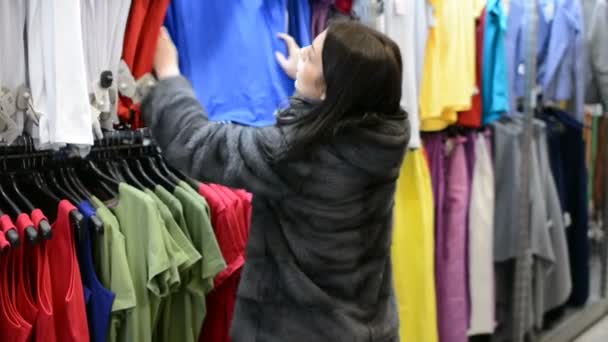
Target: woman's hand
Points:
(166, 63)
(290, 63)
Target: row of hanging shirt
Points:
(464, 60)
(123, 261)
(62, 73)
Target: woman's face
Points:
(309, 78)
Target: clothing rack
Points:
(113, 141)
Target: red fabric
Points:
(22, 292)
(69, 311)
(220, 310)
(344, 6)
(37, 216)
(473, 117)
(230, 213)
(143, 26)
(227, 231)
(6, 223)
(12, 326)
(40, 274)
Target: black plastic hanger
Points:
(31, 234)
(157, 174)
(139, 170)
(44, 227)
(129, 176)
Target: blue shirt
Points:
(560, 52)
(100, 300)
(300, 21)
(494, 71)
(226, 49)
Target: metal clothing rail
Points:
(114, 141)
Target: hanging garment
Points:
(403, 28)
(148, 260)
(304, 279)
(450, 253)
(344, 6)
(99, 304)
(450, 59)
(12, 59)
(473, 117)
(139, 45)
(298, 22)
(183, 257)
(481, 241)
(68, 295)
(40, 274)
(170, 326)
(596, 44)
(601, 163)
(507, 168)
(20, 291)
(369, 12)
(196, 214)
(245, 88)
(112, 267)
(470, 155)
(567, 151)
(560, 55)
(494, 71)
(12, 325)
(413, 251)
(104, 24)
(231, 231)
(57, 74)
(320, 15)
(558, 283)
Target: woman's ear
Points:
(323, 96)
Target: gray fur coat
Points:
(318, 258)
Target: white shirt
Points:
(12, 54)
(481, 242)
(104, 24)
(406, 22)
(57, 73)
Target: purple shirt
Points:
(320, 15)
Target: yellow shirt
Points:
(449, 71)
(413, 251)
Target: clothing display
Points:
(139, 209)
(113, 280)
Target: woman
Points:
(318, 258)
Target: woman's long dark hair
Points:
(363, 72)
